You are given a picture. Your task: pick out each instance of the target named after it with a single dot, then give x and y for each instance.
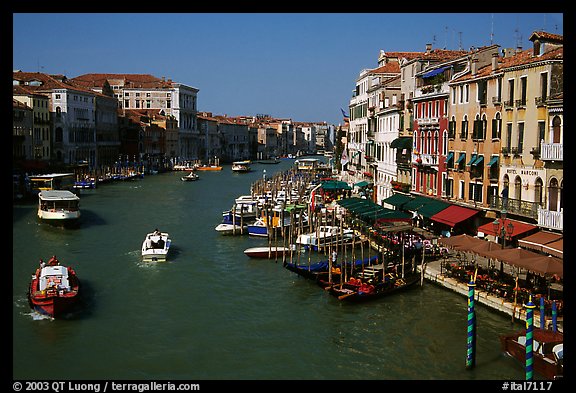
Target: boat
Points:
(190, 177)
(155, 247)
(358, 289)
(208, 168)
(88, 182)
(270, 161)
(324, 236)
(53, 289)
(547, 346)
(241, 166)
(231, 229)
(319, 271)
(268, 251)
(58, 206)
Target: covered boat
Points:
(58, 206)
(547, 350)
(53, 289)
(361, 290)
(324, 236)
(156, 246)
(241, 166)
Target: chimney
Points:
(428, 48)
(474, 66)
(494, 61)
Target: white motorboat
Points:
(241, 166)
(58, 206)
(156, 246)
(231, 229)
(324, 236)
(190, 177)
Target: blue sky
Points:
(301, 66)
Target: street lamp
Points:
(501, 230)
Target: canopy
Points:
(368, 210)
(485, 247)
(538, 239)
(432, 208)
(520, 228)
(460, 242)
(531, 261)
(401, 143)
(434, 72)
(397, 199)
(453, 215)
(335, 185)
(493, 160)
(363, 183)
(478, 160)
(555, 248)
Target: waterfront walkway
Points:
(433, 273)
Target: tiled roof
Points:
(546, 36)
(391, 67)
(127, 80)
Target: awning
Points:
(471, 160)
(531, 261)
(478, 160)
(432, 208)
(401, 143)
(493, 160)
(397, 200)
(453, 215)
(416, 203)
(450, 156)
(435, 72)
(461, 158)
(520, 228)
(542, 239)
(363, 183)
(335, 185)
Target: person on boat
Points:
(334, 256)
(156, 232)
(160, 242)
(53, 261)
(42, 263)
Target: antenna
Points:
(518, 37)
(459, 40)
(445, 37)
(492, 31)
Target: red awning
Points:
(519, 228)
(453, 214)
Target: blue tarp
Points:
(435, 72)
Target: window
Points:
(541, 132)
(444, 142)
(511, 92)
(520, 137)
(499, 90)
(544, 86)
(509, 136)
(454, 92)
(497, 127)
(464, 130)
(461, 191)
(482, 91)
(538, 191)
(452, 128)
(467, 93)
(523, 82)
(518, 188)
(556, 127)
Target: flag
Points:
(344, 158)
(344, 113)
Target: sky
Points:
(301, 66)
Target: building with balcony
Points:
(531, 166)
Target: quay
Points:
(434, 274)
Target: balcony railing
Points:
(514, 206)
(551, 151)
(424, 159)
(550, 219)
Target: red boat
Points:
(54, 289)
(547, 352)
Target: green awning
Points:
(471, 160)
(433, 207)
(493, 160)
(416, 203)
(401, 143)
(461, 158)
(335, 185)
(362, 183)
(450, 156)
(397, 199)
(478, 161)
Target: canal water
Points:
(211, 313)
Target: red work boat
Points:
(54, 289)
(547, 347)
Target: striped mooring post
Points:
(554, 317)
(471, 336)
(542, 313)
(529, 339)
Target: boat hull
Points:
(544, 362)
(230, 229)
(151, 252)
(266, 252)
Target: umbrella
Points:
(528, 260)
(460, 242)
(485, 247)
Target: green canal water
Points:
(211, 313)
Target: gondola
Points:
(359, 290)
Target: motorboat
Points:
(192, 176)
(324, 236)
(54, 289)
(547, 350)
(231, 229)
(241, 166)
(58, 206)
(268, 251)
(156, 246)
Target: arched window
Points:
(464, 130)
(497, 126)
(422, 143)
(556, 123)
(538, 191)
(414, 139)
(445, 142)
(553, 194)
(518, 188)
(429, 143)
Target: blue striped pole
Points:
(554, 316)
(542, 315)
(471, 336)
(529, 338)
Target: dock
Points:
(432, 273)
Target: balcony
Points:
(550, 219)
(514, 206)
(551, 151)
(425, 159)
